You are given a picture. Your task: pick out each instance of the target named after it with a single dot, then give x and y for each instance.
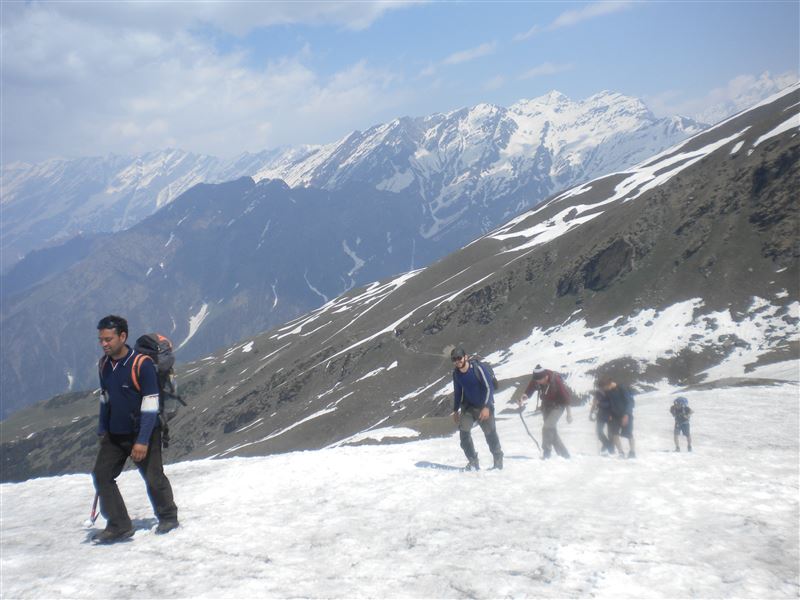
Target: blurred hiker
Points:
(620, 405)
(473, 401)
(601, 414)
(128, 426)
(682, 413)
(554, 399)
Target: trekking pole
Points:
(524, 424)
(93, 515)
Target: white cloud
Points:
(573, 17)
(429, 70)
(236, 18)
(470, 54)
(739, 93)
(78, 86)
(596, 9)
(494, 83)
(536, 29)
(456, 58)
(545, 69)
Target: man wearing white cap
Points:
(555, 399)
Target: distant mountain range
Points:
(220, 262)
(216, 264)
(656, 272)
(498, 160)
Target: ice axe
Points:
(93, 515)
(528, 431)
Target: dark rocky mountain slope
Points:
(221, 262)
(659, 273)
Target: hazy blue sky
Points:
(89, 78)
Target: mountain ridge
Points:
(109, 194)
(660, 272)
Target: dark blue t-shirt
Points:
(620, 401)
(123, 408)
(473, 387)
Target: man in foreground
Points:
(128, 426)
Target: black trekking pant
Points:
(469, 416)
(114, 451)
(600, 425)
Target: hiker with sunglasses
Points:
(473, 401)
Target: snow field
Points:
(365, 522)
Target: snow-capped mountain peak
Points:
(492, 159)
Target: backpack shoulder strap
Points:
(101, 364)
(480, 372)
(136, 369)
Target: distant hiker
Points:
(128, 426)
(682, 413)
(601, 414)
(473, 400)
(620, 404)
(554, 398)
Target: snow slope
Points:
(365, 522)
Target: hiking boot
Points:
(108, 536)
(498, 462)
(689, 449)
(677, 448)
(166, 527)
(473, 465)
(631, 454)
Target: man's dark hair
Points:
(604, 380)
(113, 322)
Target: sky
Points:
(93, 78)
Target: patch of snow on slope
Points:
(640, 179)
(195, 321)
(397, 182)
(313, 289)
(280, 432)
(644, 337)
(379, 434)
(792, 122)
(358, 263)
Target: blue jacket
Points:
(473, 388)
(123, 409)
(620, 401)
